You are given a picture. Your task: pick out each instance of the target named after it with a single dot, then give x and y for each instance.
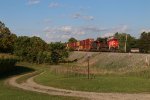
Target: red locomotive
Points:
(101, 44)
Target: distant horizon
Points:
(59, 20)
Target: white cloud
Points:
(108, 34)
(66, 29)
(79, 32)
(33, 2)
(88, 17)
(52, 37)
(54, 5)
(76, 16)
(94, 29)
(121, 29)
(47, 21)
(145, 30)
(81, 16)
(112, 31)
(65, 36)
(63, 33)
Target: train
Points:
(102, 44)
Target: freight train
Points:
(101, 44)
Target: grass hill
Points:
(121, 62)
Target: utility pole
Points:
(125, 47)
(88, 69)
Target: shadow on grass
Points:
(17, 70)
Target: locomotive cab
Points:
(113, 44)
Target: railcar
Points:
(103, 44)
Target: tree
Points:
(71, 40)
(7, 43)
(44, 57)
(122, 39)
(144, 42)
(102, 40)
(21, 47)
(29, 49)
(36, 50)
(7, 39)
(4, 30)
(58, 52)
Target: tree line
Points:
(142, 43)
(31, 49)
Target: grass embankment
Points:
(11, 93)
(111, 72)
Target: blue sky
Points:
(58, 20)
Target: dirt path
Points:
(30, 85)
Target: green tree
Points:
(71, 40)
(122, 39)
(44, 57)
(7, 39)
(7, 43)
(144, 42)
(58, 52)
(4, 30)
(29, 49)
(22, 46)
(102, 40)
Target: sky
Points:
(58, 20)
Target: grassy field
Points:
(101, 83)
(111, 72)
(10, 93)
